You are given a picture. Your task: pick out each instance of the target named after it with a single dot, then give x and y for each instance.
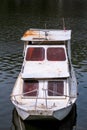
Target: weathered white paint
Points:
(52, 35)
(43, 105)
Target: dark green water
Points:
(16, 16)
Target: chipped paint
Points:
(30, 33)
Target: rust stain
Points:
(30, 33)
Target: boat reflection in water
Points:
(69, 123)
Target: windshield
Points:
(30, 87)
(55, 88)
(38, 54)
(35, 54)
(56, 54)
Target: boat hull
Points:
(38, 114)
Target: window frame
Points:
(64, 91)
(29, 96)
(33, 47)
(56, 47)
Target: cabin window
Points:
(56, 54)
(55, 88)
(30, 87)
(35, 54)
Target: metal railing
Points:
(55, 94)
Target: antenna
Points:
(46, 32)
(45, 26)
(64, 24)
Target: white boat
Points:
(46, 86)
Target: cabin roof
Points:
(46, 35)
(45, 70)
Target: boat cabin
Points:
(45, 69)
